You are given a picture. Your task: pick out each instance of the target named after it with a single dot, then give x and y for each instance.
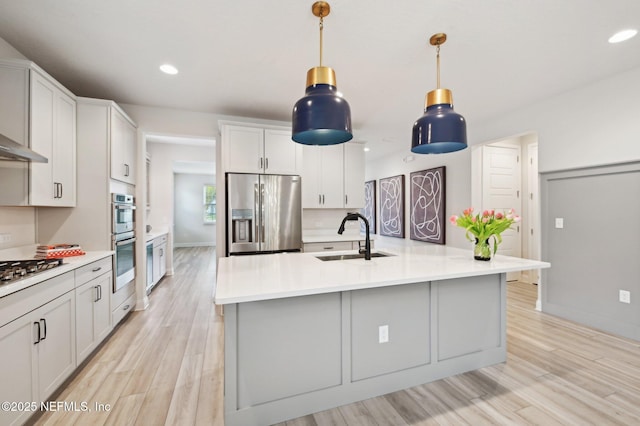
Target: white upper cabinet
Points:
(282, 155)
(259, 149)
(354, 163)
(322, 179)
(123, 147)
(333, 176)
(31, 99)
(53, 134)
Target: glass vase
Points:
(482, 250)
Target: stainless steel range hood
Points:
(10, 150)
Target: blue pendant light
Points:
(440, 129)
(322, 116)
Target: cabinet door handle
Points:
(44, 321)
(261, 163)
(327, 248)
(57, 190)
(322, 199)
(97, 294)
(346, 199)
(319, 199)
(266, 163)
(37, 323)
(126, 307)
(96, 269)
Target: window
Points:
(209, 200)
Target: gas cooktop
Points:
(13, 270)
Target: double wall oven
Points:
(123, 239)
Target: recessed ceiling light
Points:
(622, 36)
(366, 149)
(169, 69)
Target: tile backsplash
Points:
(328, 220)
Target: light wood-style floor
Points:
(164, 366)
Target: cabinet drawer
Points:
(328, 246)
(122, 310)
(23, 301)
(93, 270)
(121, 295)
(158, 241)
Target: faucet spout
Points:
(367, 241)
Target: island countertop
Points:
(275, 276)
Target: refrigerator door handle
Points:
(262, 218)
(256, 211)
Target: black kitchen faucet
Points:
(367, 241)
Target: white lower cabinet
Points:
(93, 314)
(37, 353)
(335, 246)
(57, 345)
(328, 246)
(122, 302)
(159, 258)
(47, 330)
(19, 368)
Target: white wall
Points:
(190, 229)
(457, 176)
(9, 52)
(19, 223)
(163, 155)
(594, 125)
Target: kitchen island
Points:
(304, 334)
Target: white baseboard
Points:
(205, 244)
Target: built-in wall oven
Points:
(123, 240)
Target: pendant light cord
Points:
(321, 28)
(438, 65)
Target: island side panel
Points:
(288, 347)
(471, 318)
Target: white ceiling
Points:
(249, 58)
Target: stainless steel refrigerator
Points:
(264, 213)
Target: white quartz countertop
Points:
(275, 276)
(154, 234)
(69, 264)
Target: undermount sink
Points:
(352, 256)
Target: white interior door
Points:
(501, 191)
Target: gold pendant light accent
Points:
(321, 74)
(438, 96)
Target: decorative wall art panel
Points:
(427, 221)
(369, 210)
(392, 206)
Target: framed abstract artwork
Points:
(369, 210)
(392, 206)
(427, 198)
